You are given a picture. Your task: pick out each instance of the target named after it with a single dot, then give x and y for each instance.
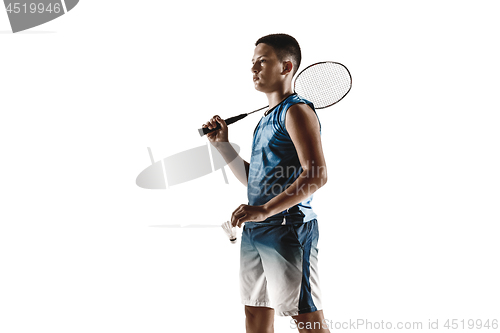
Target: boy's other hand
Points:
(245, 213)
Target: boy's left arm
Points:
(304, 130)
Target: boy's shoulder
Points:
(295, 99)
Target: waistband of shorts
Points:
(275, 222)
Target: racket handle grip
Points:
(228, 121)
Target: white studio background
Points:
(409, 217)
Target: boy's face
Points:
(268, 71)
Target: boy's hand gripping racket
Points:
(324, 84)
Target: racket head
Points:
(324, 83)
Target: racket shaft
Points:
(228, 121)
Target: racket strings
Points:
(324, 84)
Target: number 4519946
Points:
(471, 324)
(33, 8)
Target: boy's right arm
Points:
(219, 139)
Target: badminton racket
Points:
(324, 84)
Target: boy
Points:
(278, 263)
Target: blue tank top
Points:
(275, 165)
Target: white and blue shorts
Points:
(278, 267)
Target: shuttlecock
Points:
(230, 231)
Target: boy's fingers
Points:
(213, 122)
(221, 122)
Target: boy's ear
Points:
(287, 67)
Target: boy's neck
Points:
(275, 97)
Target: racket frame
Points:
(319, 63)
